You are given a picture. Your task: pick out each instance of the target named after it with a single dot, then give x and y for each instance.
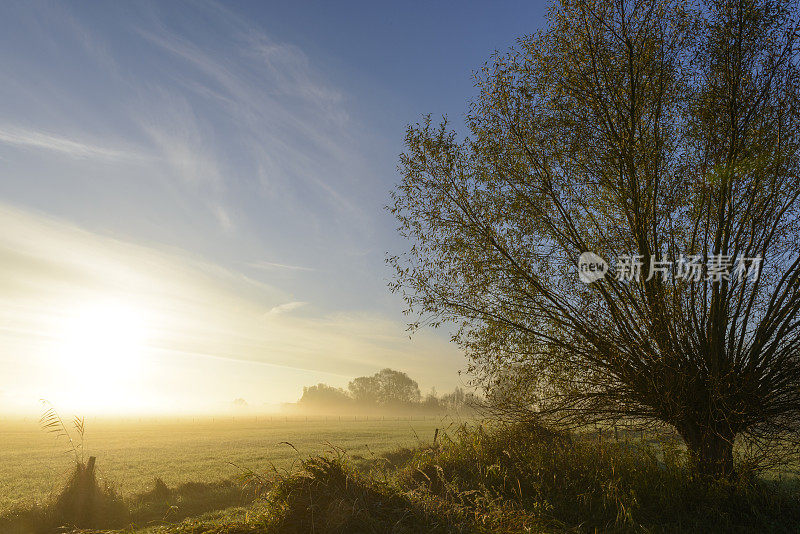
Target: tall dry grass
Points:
(520, 479)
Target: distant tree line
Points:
(385, 391)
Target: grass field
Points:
(509, 480)
(475, 479)
(131, 454)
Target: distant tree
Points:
(459, 400)
(365, 390)
(664, 131)
(454, 401)
(397, 387)
(431, 402)
(386, 388)
(324, 396)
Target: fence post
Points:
(90, 465)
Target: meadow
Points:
(131, 454)
(287, 475)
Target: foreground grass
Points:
(587, 485)
(508, 480)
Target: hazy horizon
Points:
(191, 202)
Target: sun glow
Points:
(101, 355)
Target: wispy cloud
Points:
(217, 110)
(294, 126)
(33, 139)
(286, 307)
(178, 137)
(223, 217)
(269, 265)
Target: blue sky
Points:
(239, 150)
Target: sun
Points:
(100, 352)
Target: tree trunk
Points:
(710, 453)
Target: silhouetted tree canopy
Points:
(323, 395)
(385, 391)
(662, 130)
(387, 387)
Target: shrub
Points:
(327, 496)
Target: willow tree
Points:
(655, 131)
